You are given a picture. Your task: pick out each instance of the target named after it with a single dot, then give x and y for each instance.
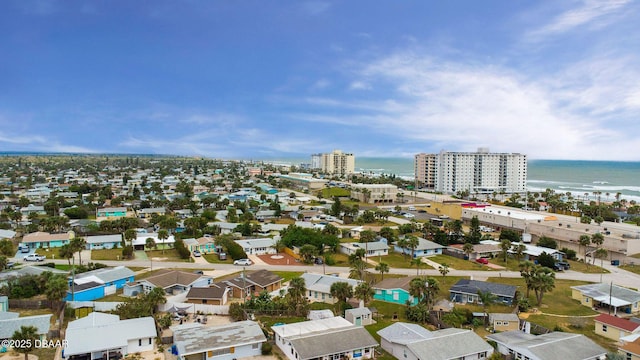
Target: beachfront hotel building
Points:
(480, 172)
(335, 163)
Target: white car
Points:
(34, 257)
(408, 215)
(243, 262)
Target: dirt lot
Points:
(280, 259)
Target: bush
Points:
(571, 254)
(547, 242)
(127, 252)
(329, 260)
(266, 348)
(546, 260)
(183, 252)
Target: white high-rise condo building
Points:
(336, 162)
(478, 172)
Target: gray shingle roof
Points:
(215, 292)
(554, 345)
(395, 283)
(196, 338)
(9, 326)
(404, 333)
(450, 344)
(314, 345)
(322, 283)
(466, 286)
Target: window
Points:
(255, 346)
(149, 341)
(396, 296)
(604, 328)
(139, 342)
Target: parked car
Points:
(564, 264)
(242, 262)
(196, 253)
(558, 267)
(482, 260)
(318, 261)
(34, 257)
(408, 215)
(24, 248)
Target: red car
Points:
(482, 260)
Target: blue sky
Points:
(278, 79)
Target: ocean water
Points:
(574, 176)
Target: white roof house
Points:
(258, 246)
(98, 333)
(374, 248)
(11, 322)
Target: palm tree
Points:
(65, 252)
(358, 266)
(364, 292)
(542, 280)
(417, 262)
(382, 268)
(130, 235)
(424, 289)
(467, 248)
(150, 243)
(412, 243)
(444, 270)
(296, 294)
(505, 245)
(26, 337)
(163, 235)
(526, 269)
(402, 243)
(584, 241)
(518, 250)
(341, 291)
(279, 245)
(486, 298)
(597, 239)
(154, 298)
(56, 289)
(77, 244)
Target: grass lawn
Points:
(633, 268)
(458, 264)
(165, 255)
(329, 193)
(397, 260)
(147, 274)
(117, 297)
(288, 275)
(213, 259)
(587, 269)
(106, 254)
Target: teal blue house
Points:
(111, 212)
(394, 290)
(45, 240)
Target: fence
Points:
(29, 304)
(196, 308)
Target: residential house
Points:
(413, 342)
(319, 286)
(259, 246)
(172, 281)
(111, 213)
(215, 294)
(264, 215)
(42, 239)
(424, 248)
(553, 345)
(191, 244)
(254, 282)
(630, 347)
(7, 234)
(360, 316)
(504, 321)
(10, 322)
(206, 245)
(103, 241)
(105, 336)
(394, 290)
(615, 328)
(466, 291)
(479, 250)
(27, 270)
(149, 212)
(331, 338)
(320, 314)
(607, 296)
(372, 249)
(223, 342)
(33, 209)
(96, 284)
(141, 240)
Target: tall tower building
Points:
(478, 172)
(424, 167)
(336, 162)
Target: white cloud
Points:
(591, 13)
(359, 85)
(315, 7)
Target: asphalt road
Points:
(616, 275)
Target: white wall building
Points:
(374, 193)
(335, 162)
(478, 172)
